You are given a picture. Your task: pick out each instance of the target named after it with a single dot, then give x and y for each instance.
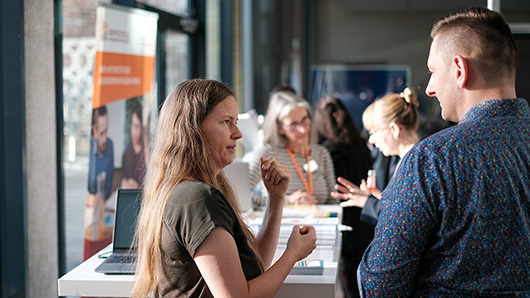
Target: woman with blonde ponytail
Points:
(191, 239)
(392, 122)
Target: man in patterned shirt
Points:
(455, 221)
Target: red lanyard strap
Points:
(308, 185)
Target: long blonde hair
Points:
(180, 152)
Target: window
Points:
(173, 65)
(177, 7)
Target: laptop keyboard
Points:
(120, 258)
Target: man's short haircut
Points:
(484, 36)
(101, 111)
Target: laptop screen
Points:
(127, 208)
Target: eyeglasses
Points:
(306, 122)
(374, 132)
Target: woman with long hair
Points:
(337, 132)
(192, 241)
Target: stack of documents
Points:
(308, 267)
(326, 230)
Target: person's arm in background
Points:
(371, 210)
(109, 154)
(361, 197)
(329, 173)
(92, 176)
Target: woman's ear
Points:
(395, 129)
(281, 130)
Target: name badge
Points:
(313, 166)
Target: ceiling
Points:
(358, 6)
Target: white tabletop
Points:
(84, 281)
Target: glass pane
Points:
(178, 7)
(177, 67)
(79, 23)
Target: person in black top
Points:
(352, 160)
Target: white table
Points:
(84, 281)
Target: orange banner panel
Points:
(121, 76)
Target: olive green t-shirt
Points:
(193, 210)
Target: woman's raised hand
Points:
(352, 194)
(276, 178)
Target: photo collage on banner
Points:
(123, 108)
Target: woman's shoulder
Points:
(193, 196)
(192, 191)
(269, 150)
(318, 149)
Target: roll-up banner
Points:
(123, 92)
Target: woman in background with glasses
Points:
(392, 122)
(290, 138)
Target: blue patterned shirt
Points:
(455, 222)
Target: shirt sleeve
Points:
(371, 210)
(92, 178)
(109, 154)
(329, 172)
(254, 168)
(390, 264)
(196, 219)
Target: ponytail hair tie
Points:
(408, 95)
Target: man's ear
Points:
(461, 70)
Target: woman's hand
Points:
(302, 242)
(276, 178)
(301, 198)
(373, 191)
(352, 194)
(346, 188)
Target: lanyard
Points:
(308, 186)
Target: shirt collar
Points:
(496, 108)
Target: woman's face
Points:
(382, 135)
(296, 127)
(221, 131)
(136, 129)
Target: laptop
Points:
(123, 256)
(238, 175)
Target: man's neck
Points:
(474, 97)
